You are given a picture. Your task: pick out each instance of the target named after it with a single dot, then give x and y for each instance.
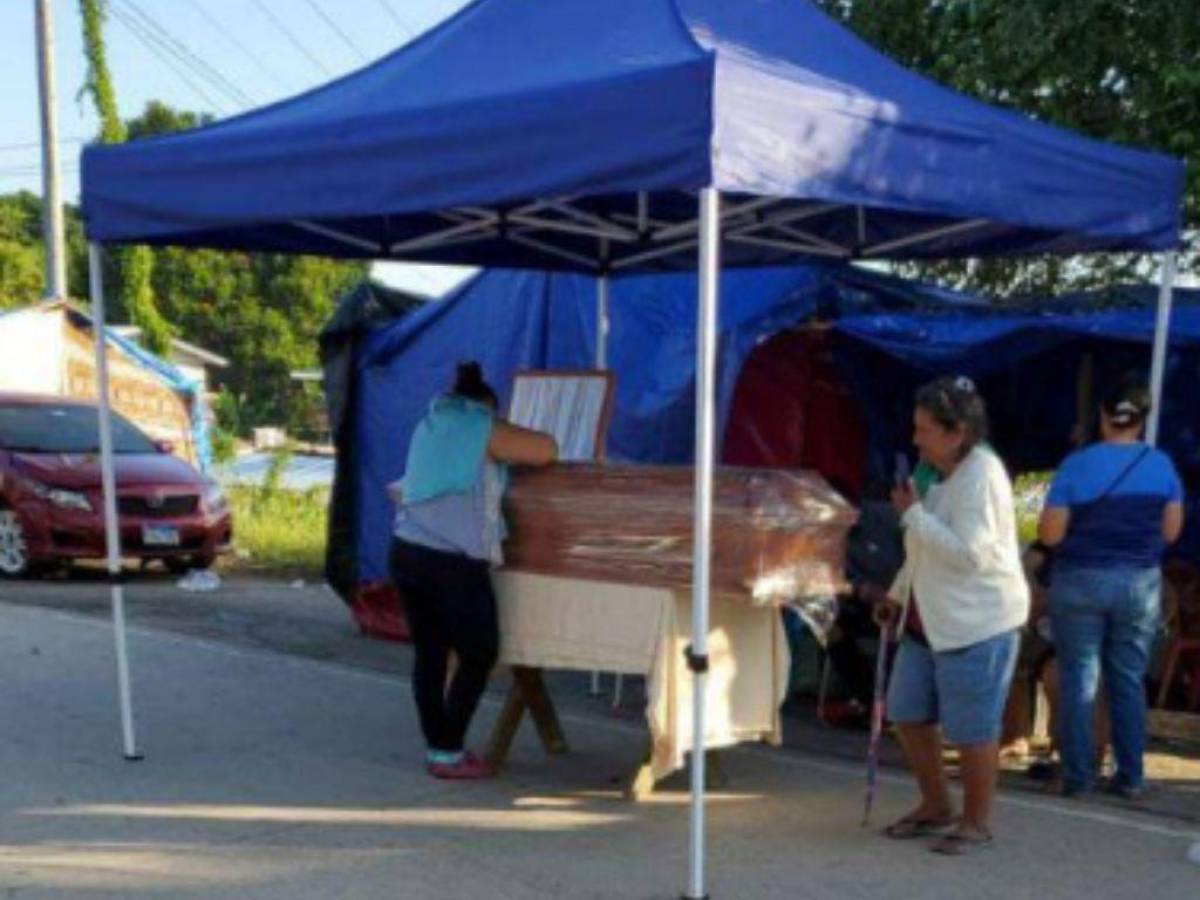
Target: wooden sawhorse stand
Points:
(528, 693)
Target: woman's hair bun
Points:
(469, 383)
(1128, 403)
(468, 377)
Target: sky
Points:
(241, 54)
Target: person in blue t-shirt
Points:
(1112, 510)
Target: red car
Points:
(51, 506)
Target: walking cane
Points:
(876, 721)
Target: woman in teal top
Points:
(448, 534)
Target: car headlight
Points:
(69, 500)
(61, 498)
(213, 498)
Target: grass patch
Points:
(280, 529)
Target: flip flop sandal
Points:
(910, 827)
(961, 843)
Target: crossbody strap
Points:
(1116, 483)
(1124, 474)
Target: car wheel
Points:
(14, 552)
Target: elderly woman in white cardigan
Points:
(958, 604)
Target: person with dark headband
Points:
(958, 602)
(448, 533)
(1111, 511)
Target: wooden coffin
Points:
(778, 536)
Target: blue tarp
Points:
(890, 335)
(517, 100)
(1027, 365)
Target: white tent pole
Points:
(112, 534)
(1162, 338)
(601, 365)
(602, 295)
(706, 357)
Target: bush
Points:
(224, 448)
(228, 413)
(281, 529)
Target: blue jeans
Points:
(1104, 620)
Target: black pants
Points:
(450, 606)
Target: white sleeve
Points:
(973, 539)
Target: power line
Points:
(36, 145)
(35, 169)
(147, 39)
(231, 35)
(181, 51)
(150, 34)
(336, 29)
(287, 33)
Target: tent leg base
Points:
(134, 757)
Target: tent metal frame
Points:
(767, 223)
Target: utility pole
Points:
(52, 216)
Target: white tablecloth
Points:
(559, 623)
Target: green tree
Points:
(135, 264)
(261, 311)
(98, 83)
(1118, 70)
(159, 118)
(20, 250)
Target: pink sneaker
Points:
(470, 767)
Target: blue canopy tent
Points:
(578, 134)
(889, 336)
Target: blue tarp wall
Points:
(890, 335)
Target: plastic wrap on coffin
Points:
(778, 536)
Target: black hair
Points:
(1127, 404)
(955, 403)
(469, 383)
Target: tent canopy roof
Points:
(575, 134)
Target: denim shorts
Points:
(964, 689)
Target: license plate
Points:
(160, 536)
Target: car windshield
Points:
(65, 428)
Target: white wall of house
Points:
(31, 352)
